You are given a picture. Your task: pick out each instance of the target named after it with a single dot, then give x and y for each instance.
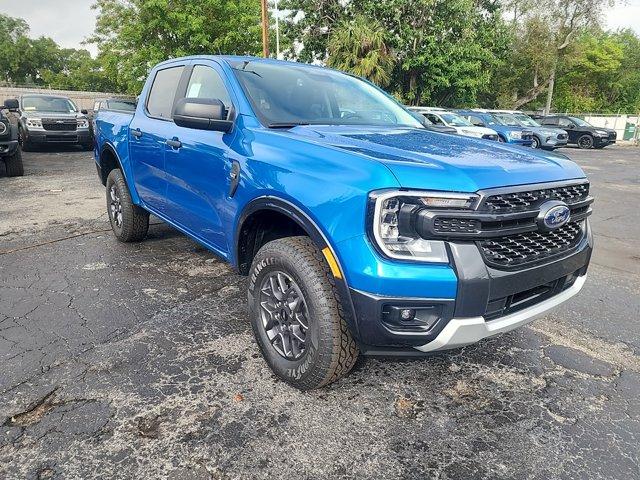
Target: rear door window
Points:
(163, 92)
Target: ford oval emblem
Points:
(553, 215)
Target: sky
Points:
(69, 22)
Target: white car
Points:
(462, 126)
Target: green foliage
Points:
(601, 73)
(360, 47)
(134, 35)
(41, 62)
(445, 50)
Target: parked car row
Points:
(516, 127)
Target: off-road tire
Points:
(331, 351)
(24, 143)
(585, 142)
(134, 221)
(14, 165)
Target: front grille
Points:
(562, 136)
(531, 199)
(64, 126)
(612, 135)
(456, 225)
(517, 250)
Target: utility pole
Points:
(277, 15)
(265, 29)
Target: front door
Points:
(148, 133)
(198, 166)
(570, 128)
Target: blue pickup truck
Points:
(360, 231)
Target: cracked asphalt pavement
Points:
(137, 361)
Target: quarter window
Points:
(163, 92)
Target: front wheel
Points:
(535, 143)
(24, 143)
(297, 316)
(585, 142)
(15, 167)
(129, 222)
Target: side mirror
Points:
(478, 124)
(84, 111)
(571, 125)
(11, 104)
(202, 114)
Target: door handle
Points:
(174, 143)
(136, 133)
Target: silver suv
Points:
(46, 119)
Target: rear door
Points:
(198, 164)
(148, 133)
(566, 124)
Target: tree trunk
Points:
(552, 81)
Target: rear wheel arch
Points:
(109, 160)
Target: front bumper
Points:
(8, 147)
(552, 141)
(460, 332)
(82, 137)
(469, 300)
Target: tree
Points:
(543, 32)
(133, 35)
(360, 47)
(445, 50)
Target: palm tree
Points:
(359, 46)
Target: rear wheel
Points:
(129, 222)
(585, 142)
(297, 316)
(14, 165)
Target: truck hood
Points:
(429, 160)
(474, 128)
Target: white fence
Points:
(81, 99)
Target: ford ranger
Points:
(359, 230)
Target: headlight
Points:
(602, 133)
(392, 227)
(515, 134)
(83, 123)
(34, 122)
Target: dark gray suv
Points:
(48, 119)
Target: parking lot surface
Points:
(137, 361)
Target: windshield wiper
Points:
(286, 124)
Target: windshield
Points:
(48, 104)
(455, 120)
(507, 119)
(284, 95)
(580, 122)
(525, 120)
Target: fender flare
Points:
(311, 228)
